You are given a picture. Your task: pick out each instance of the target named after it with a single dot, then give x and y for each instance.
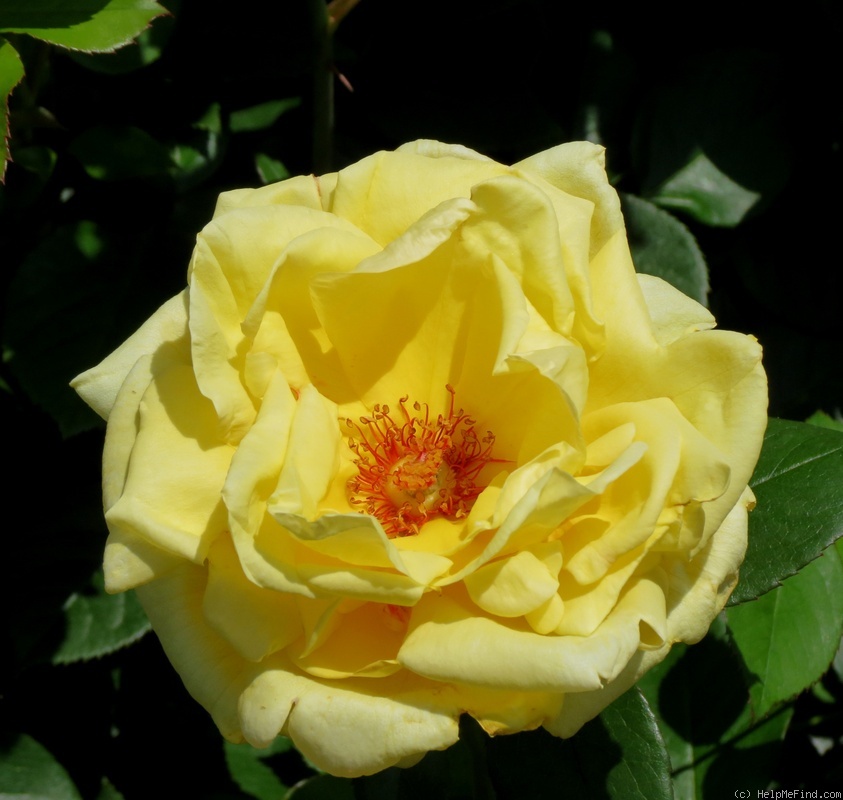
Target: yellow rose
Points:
(416, 441)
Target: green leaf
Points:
(111, 153)
(620, 755)
(644, 769)
(146, 49)
(28, 770)
(260, 117)
(699, 697)
(11, 73)
(270, 169)
(662, 246)
(837, 664)
(823, 420)
(88, 25)
(789, 636)
(705, 192)
(712, 140)
(97, 623)
(248, 770)
(211, 119)
(196, 156)
(196, 162)
(798, 483)
(108, 792)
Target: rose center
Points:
(412, 468)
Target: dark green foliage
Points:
(724, 138)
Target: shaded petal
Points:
(714, 377)
(257, 462)
(351, 729)
(312, 457)
(282, 320)
(270, 557)
(364, 642)
(698, 590)
(363, 584)
(279, 559)
(354, 539)
(212, 671)
(564, 363)
(423, 299)
(697, 593)
(130, 561)
(122, 430)
(229, 268)
(534, 502)
(585, 607)
(545, 618)
(509, 711)
(254, 620)
(581, 707)
(516, 221)
(678, 466)
(173, 491)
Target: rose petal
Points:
(282, 320)
(674, 314)
(611, 514)
(254, 620)
(691, 607)
(302, 190)
(350, 728)
(512, 587)
(172, 495)
(430, 148)
(228, 270)
(364, 642)
(679, 466)
(213, 672)
(714, 377)
(578, 169)
(384, 194)
(448, 640)
(312, 457)
(257, 462)
(699, 589)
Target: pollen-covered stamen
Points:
(414, 468)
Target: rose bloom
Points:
(416, 441)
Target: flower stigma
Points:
(413, 468)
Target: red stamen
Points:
(415, 470)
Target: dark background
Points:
(87, 255)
